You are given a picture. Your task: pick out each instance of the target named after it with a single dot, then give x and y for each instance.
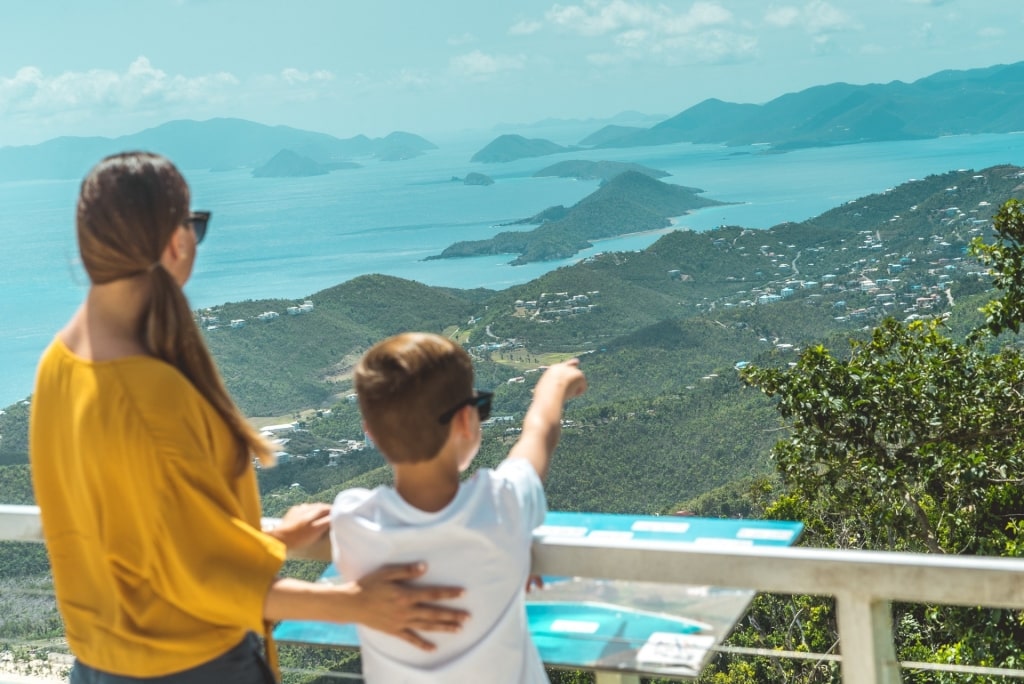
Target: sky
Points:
(441, 67)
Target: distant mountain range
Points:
(989, 100)
(217, 144)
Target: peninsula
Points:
(631, 202)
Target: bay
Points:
(289, 238)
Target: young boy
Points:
(418, 405)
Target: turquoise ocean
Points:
(291, 237)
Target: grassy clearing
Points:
(523, 359)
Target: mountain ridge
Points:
(219, 143)
(951, 102)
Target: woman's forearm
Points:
(382, 600)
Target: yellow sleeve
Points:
(208, 559)
(196, 552)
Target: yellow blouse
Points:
(158, 560)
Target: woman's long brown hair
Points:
(129, 207)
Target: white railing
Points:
(864, 584)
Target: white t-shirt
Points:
(480, 541)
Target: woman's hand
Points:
(381, 600)
(303, 525)
(386, 603)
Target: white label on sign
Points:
(659, 526)
(677, 650)
(761, 533)
(575, 626)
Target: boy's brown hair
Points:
(405, 384)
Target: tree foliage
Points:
(913, 441)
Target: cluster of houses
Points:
(482, 350)
(279, 435)
(212, 322)
(911, 285)
(552, 305)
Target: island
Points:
(582, 169)
(288, 164)
(475, 178)
(631, 202)
(506, 148)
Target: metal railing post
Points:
(865, 640)
(20, 523)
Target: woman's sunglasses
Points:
(198, 221)
(481, 399)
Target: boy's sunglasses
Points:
(198, 222)
(481, 399)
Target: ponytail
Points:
(129, 207)
(170, 333)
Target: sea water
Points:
(291, 237)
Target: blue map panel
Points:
(584, 623)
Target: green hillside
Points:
(288, 362)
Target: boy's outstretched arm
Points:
(542, 426)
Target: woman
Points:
(142, 468)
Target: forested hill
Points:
(630, 202)
(989, 100)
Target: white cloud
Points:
(634, 38)
(815, 17)
(296, 77)
(783, 17)
(707, 47)
(595, 18)
(525, 28)
(141, 86)
(821, 17)
(479, 65)
(705, 32)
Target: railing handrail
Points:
(894, 576)
(863, 582)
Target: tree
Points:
(914, 441)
